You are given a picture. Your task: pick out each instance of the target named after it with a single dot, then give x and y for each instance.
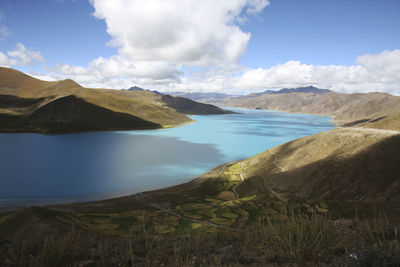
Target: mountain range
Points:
(379, 110)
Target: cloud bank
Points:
(370, 73)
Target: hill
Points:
(356, 109)
(205, 97)
(70, 114)
(187, 106)
(347, 164)
(136, 88)
(22, 95)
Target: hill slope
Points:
(187, 106)
(72, 114)
(345, 108)
(342, 164)
(17, 88)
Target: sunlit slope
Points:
(345, 108)
(13, 82)
(19, 84)
(17, 90)
(341, 164)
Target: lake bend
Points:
(42, 169)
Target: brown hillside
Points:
(13, 82)
(345, 108)
(148, 106)
(341, 164)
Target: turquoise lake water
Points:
(38, 169)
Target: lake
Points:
(39, 169)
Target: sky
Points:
(235, 46)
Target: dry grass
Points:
(299, 240)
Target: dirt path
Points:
(242, 177)
(282, 170)
(274, 161)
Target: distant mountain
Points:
(33, 105)
(199, 96)
(188, 106)
(206, 97)
(308, 89)
(134, 88)
(358, 109)
(211, 97)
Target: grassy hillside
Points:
(22, 95)
(71, 114)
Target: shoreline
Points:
(21, 203)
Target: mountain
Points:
(135, 88)
(208, 97)
(202, 97)
(24, 102)
(188, 106)
(356, 109)
(309, 89)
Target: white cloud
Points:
(189, 32)
(20, 56)
(378, 72)
(383, 67)
(103, 72)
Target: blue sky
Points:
(322, 31)
(63, 31)
(242, 46)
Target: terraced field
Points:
(223, 210)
